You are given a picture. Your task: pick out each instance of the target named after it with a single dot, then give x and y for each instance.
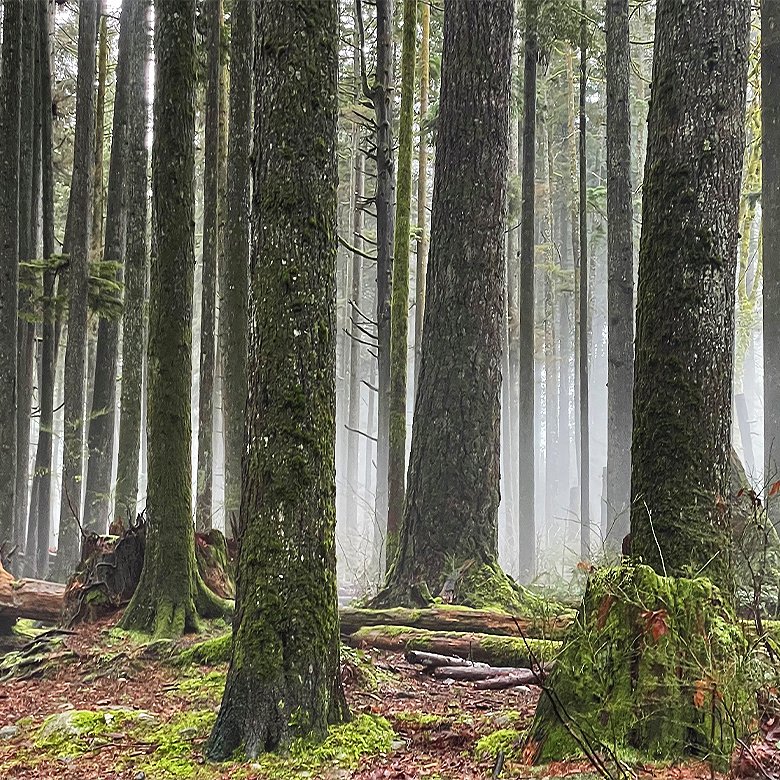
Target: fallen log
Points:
(472, 673)
(512, 679)
(482, 648)
(34, 599)
(456, 618)
(432, 660)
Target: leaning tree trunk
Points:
(78, 274)
(134, 275)
(620, 271)
(100, 437)
(685, 320)
(525, 497)
(283, 681)
(171, 594)
(451, 513)
(770, 210)
(235, 265)
(10, 94)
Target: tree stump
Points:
(653, 665)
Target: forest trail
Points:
(151, 719)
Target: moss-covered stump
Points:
(653, 666)
(482, 648)
(214, 563)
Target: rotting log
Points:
(457, 618)
(482, 648)
(34, 599)
(512, 679)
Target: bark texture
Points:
(171, 594)
(685, 314)
(235, 265)
(620, 273)
(451, 513)
(68, 544)
(283, 680)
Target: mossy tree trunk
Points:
(100, 436)
(205, 455)
(283, 680)
(171, 594)
(685, 320)
(135, 266)
(526, 531)
(10, 94)
(451, 515)
(78, 274)
(235, 265)
(399, 319)
(620, 270)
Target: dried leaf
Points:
(655, 623)
(774, 489)
(604, 608)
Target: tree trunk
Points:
(78, 273)
(205, 454)
(135, 268)
(399, 319)
(770, 210)
(171, 593)
(235, 265)
(32, 599)
(620, 284)
(685, 320)
(283, 681)
(451, 511)
(100, 439)
(526, 448)
(10, 109)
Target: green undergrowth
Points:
(209, 652)
(201, 689)
(506, 741)
(421, 720)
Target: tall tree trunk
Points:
(235, 265)
(422, 188)
(399, 320)
(135, 267)
(770, 209)
(526, 448)
(451, 513)
(78, 273)
(10, 111)
(585, 546)
(99, 194)
(620, 284)
(283, 681)
(100, 439)
(680, 519)
(205, 456)
(171, 594)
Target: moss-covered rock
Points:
(209, 652)
(506, 741)
(652, 664)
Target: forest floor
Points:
(106, 707)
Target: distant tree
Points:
(100, 438)
(283, 681)
(78, 274)
(10, 108)
(135, 268)
(171, 594)
(449, 533)
(620, 285)
(211, 243)
(770, 211)
(235, 263)
(685, 319)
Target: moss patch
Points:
(209, 652)
(203, 688)
(421, 720)
(506, 741)
(72, 733)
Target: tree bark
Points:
(235, 265)
(171, 593)
(283, 681)
(33, 599)
(451, 513)
(78, 274)
(100, 438)
(620, 274)
(135, 268)
(10, 109)
(685, 320)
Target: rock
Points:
(139, 775)
(146, 719)
(189, 733)
(61, 724)
(9, 732)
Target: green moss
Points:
(506, 741)
(209, 652)
(199, 688)
(72, 733)
(420, 719)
